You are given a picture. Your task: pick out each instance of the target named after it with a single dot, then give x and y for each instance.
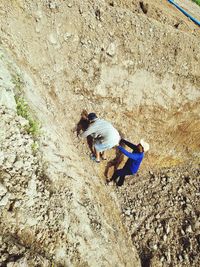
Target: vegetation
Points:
(23, 110)
(34, 147)
(197, 2)
(33, 126)
(18, 82)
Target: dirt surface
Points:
(134, 63)
(161, 211)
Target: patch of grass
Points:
(34, 147)
(33, 127)
(197, 2)
(18, 82)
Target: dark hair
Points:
(92, 116)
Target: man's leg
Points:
(90, 144)
(120, 182)
(122, 174)
(116, 174)
(97, 154)
(103, 155)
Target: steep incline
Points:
(140, 71)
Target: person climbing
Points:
(82, 126)
(105, 136)
(132, 164)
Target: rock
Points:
(53, 5)
(3, 190)
(53, 38)
(128, 212)
(155, 247)
(147, 226)
(67, 35)
(157, 216)
(4, 200)
(111, 50)
(167, 229)
(18, 165)
(189, 229)
(197, 225)
(2, 157)
(23, 122)
(180, 258)
(158, 231)
(7, 99)
(168, 256)
(165, 237)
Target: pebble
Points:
(167, 229)
(189, 229)
(111, 50)
(53, 38)
(67, 35)
(128, 212)
(53, 5)
(165, 237)
(157, 216)
(3, 190)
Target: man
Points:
(133, 163)
(105, 136)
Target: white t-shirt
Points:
(104, 129)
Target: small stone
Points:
(53, 39)
(165, 237)
(168, 257)
(67, 35)
(111, 50)
(147, 226)
(3, 190)
(167, 229)
(182, 232)
(189, 229)
(4, 200)
(158, 231)
(162, 259)
(157, 216)
(128, 212)
(155, 247)
(2, 157)
(52, 5)
(180, 258)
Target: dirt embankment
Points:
(134, 64)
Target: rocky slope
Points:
(161, 211)
(135, 63)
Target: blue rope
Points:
(184, 12)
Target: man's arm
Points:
(129, 144)
(91, 129)
(128, 154)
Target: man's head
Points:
(144, 145)
(92, 117)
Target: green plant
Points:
(34, 147)
(197, 2)
(33, 126)
(18, 82)
(22, 107)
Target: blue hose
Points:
(184, 12)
